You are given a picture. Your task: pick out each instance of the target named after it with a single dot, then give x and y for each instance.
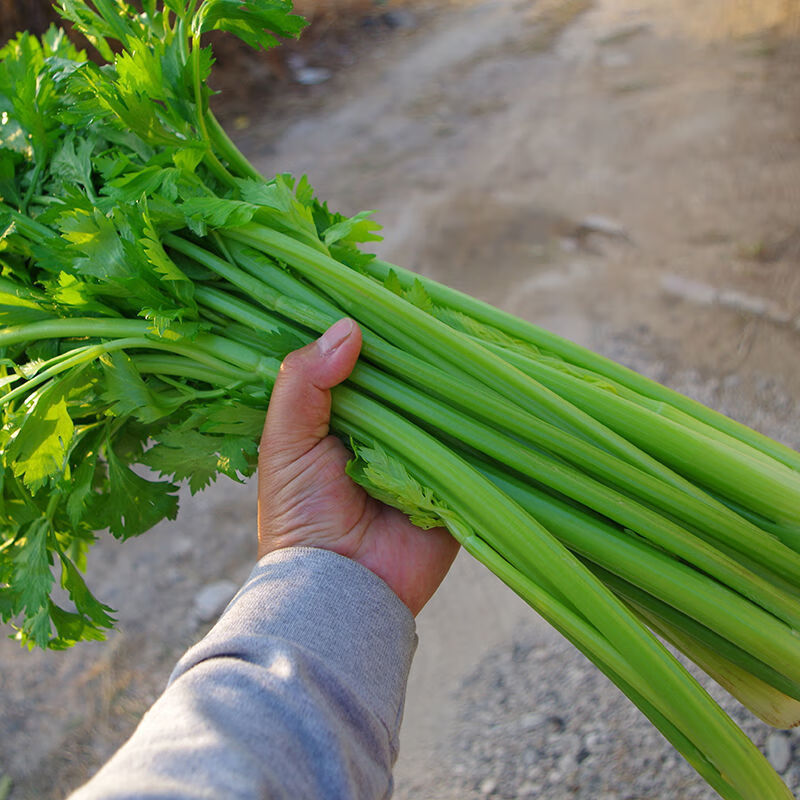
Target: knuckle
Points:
(292, 363)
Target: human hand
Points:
(305, 498)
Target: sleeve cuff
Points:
(332, 607)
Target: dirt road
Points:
(622, 174)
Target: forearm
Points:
(297, 692)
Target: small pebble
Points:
(529, 722)
(311, 76)
(779, 752)
(182, 547)
(211, 600)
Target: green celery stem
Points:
(582, 357)
(683, 701)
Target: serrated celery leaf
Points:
(128, 394)
(199, 457)
(26, 89)
(167, 322)
(386, 479)
(43, 429)
(90, 24)
(253, 21)
(99, 248)
(36, 630)
(215, 212)
(157, 255)
(16, 310)
(73, 294)
(95, 236)
(132, 184)
(40, 447)
(139, 71)
(85, 602)
(81, 487)
(418, 296)
(71, 628)
(32, 575)
(188, 158)
(349, 255)
(303, 190)
(30, 368)
(281, 206)
(235, 419)
(96, 89)
(72, 162)
(359, 228)
(134, 504)
(392, 283)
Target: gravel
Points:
(542, 722)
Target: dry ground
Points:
(624, 172)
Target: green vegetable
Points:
(150, 284)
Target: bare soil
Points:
(624, 172)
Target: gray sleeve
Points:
(297, 692)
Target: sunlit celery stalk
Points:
(582, 357)
(768, 487)
(229, 358)
(726, 614)
(777, 708)
(433, 373)
(714, 520)
(385, 313)
(511, 532)
(787, 533)
(759, 686)
(709, 519)
(184, 367)
(278, 291)
(694, 635)
(572, 483)
(603, 656)
(660, 407)
(589, 640)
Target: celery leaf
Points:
(134, 504)
(198, 457)
(386, 478)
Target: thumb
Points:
(299, 410)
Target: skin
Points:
(305, 498)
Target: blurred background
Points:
(624, 172)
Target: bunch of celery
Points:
(152, 282)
